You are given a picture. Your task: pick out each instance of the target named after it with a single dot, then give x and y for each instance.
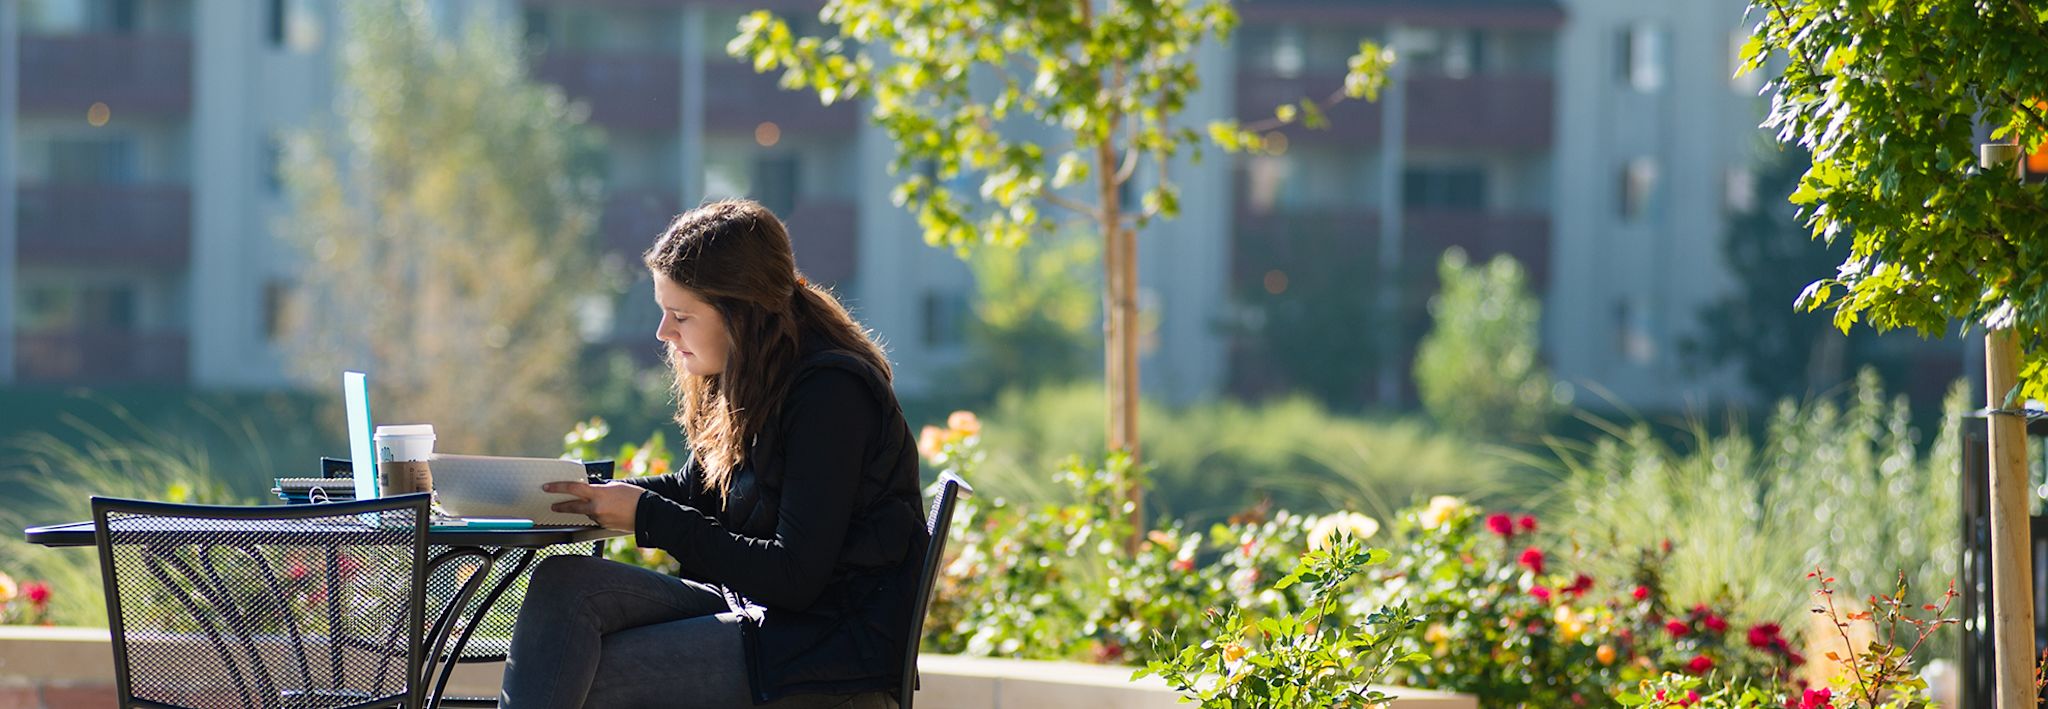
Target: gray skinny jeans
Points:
(598, 633)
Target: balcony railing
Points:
(737, 100)
(99, 224)
(825, 232)
(1505, 112)
(1519, 14)
(634, 92)
(1352, 237)
(633, 218)
(100, 357)
(146, 74)
(826, 237)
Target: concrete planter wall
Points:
(63, 668)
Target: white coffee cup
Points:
(402, 455)
(407, 442)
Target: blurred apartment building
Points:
(1601, 142)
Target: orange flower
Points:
(1605, 654)
(964, 423)
(930, 440)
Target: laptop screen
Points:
(355, 392)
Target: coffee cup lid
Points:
(415, 429)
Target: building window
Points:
(775, 182)
(80, 16)
(1740, 190)
(1640, 57)
(1444, 188)
(1455, 53)
(1632, 333)
(1638, 189)
(278, 310)
(293, 25)
(98, 161)
(92, 307)
(272, 168)
(945, 319)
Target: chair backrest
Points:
(951, 489)
(316, 605)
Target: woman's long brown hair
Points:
(736, 256)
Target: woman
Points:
(797, 518)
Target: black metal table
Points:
(451, 629)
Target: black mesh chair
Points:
(455, 579)
(317, 606)
(951, 489)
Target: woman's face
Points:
(694, 330)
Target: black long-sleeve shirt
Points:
(823, 527)
(832, 419)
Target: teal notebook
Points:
(459, 524)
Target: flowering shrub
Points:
(1289, 661)
(1515, 624)
(24, 604)
(1500, 608)
(1880, 676)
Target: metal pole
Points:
(1393, 144)
(2012, 573)
(10, 88)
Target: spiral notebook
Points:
(506, 487)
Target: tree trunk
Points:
(1120, 309)
(2012, 621)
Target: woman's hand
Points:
(611, 505)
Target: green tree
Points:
(1781, 352)
(1478, 371)
(1034, 308)
(968, 87)
(1888, 97)
(446, 217)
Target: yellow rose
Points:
(1440, 511)
(7, 588)
(1351, 524)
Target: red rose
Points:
(1642, 593)
(1527, 523)
(1822, 698)
(1764, 636)
(37, 592)
(1691, 697)
(1183, 565)
(1542, 593)
(297, 572)
(1715, 623)
(1700, 665)
(1580, 585)
(1532, 557)
(1677, 628)
(1501, 524)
